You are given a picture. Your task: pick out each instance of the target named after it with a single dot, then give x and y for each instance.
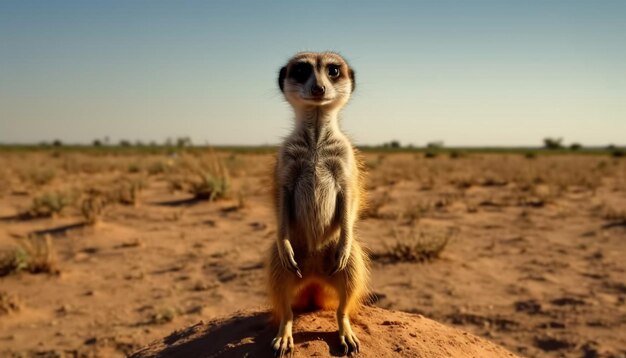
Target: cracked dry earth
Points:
(534, 261)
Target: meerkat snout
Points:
(317, 90)
(316, 79)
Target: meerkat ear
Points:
(351, 74)
(281, 78)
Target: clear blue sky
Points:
(465, 72)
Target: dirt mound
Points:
(382, 333)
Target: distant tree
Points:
(96, 143)
(125, 143)
(138, 143)
(392, 144)
(57, 143)
(575, 146)
(435, 144)
(611, 147)
(183, 142)
(553, 143)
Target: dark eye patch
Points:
(300, 71)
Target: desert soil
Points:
(534, 259)
(383, 334)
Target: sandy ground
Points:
(534, 260)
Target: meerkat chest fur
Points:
(318, 162)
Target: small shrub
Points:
(414, 246)
(93, 207)
(34, 254)
(211, 179)
(38, 176)
(209, 187)
(127, 192)
(431, 153)
(50, 204)
(158, 167)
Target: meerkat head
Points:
(316, 79)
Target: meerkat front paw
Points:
(287, 258)
(341, 259)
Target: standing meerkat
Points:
(316, 260)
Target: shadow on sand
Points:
(179, 202)
(59, 230)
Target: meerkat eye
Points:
(333, 71)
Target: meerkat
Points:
(316, 259)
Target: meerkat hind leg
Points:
(348, 340)
(283, 342)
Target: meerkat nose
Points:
(318, 90)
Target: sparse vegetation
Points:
(51, 204)
(207, 178)
(37, 176)
(34, 254)
(415, 245)
(93, 207)
(128, 191)
(209, 186)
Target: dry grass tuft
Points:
(126, 191)
(37, 176)
(414, 246)
(207, 178)
(208, 186)
(93, 207)
(50, 204)
(34, 254)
